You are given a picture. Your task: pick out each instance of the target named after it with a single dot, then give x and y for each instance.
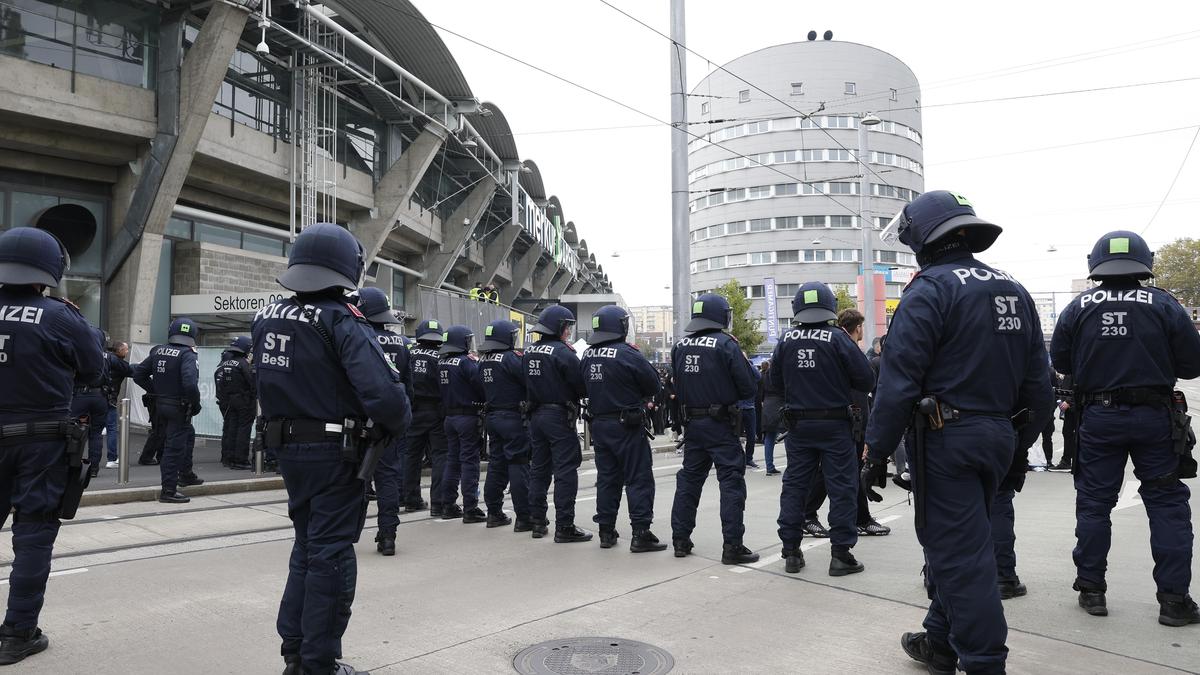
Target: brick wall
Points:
(201, 268)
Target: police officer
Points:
(321, 377)
(462, 401)
(1126, 344)
(502, 377)
(711, 376)
(237, 398)
(170, 375)
(427, 434)
(389, 471)
(46, 346)
(817, 365)
(90, 407)
(619, 382)
(964, 349)
(554, 386)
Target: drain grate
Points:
(588, 655)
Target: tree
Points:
(645, 347)
(844, 299)
(744, 328)
(1177, 269)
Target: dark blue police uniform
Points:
(237, 399)
(462, 401)
(501, 376)
(711, 376)
(89, 404)
(966, 335)
(554, 386)
(816, 365)
(171, 376)
(46, 346)
(619, 383)
(426, 437)
(1126, 345)
(118, 371)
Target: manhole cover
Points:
(584, 656)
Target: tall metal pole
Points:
(868, 255)
(680, 256)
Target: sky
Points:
(1055, 171)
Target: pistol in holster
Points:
(78, 476)
(927, 416)
(371, 442)
(1182, 436)
(858, 426)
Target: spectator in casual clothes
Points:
(749, 428)
(772, 415)
(118, 370)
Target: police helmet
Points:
(32, 256)
(934, 215)
(374, 304)
(554, 320)
(182, 332)
(499, 336)
(609, 323)
(323, 256)
(457, 340)
(240, 344)
(709, 311)
(814, 303)
(1121, 254)
(429, 330)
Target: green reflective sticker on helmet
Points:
(1118, 245)
(488, 331)
(697, 307)
(446, 337)
(962, 201)
(595, 322)
(433, 325)
(185, 328)
(810, 297)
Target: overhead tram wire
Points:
(608, 98)
(1174, 180)
(1064, 145)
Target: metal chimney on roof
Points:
(828, 35)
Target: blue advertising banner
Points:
(772, 310)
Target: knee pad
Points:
(1164, 482)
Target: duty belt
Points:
(950, 414)
(708, 410)
(85, 390)
(471, 411)
(303, 431)
(818, 414)
(503, 407)
(554, 406)
(1130, 396)
(615, 415)
(31, 432)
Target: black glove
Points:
(1015, 478)
(873, 474)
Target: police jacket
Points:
(710, 369)
(45, 345)
(501, 376)
(461, 391)
(328, 367)
(617, 377)
(395, 348)
(170, 374)
(423, 373)
(1124, 335)
(234, 378)
(816, 366)
(552, 373)
(967, 334)
(118, 370)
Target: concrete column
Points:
(542, 283)
(455, 233)
(564, 281)
(497, 251)
(396, 187)
(522, 271)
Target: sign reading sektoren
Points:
(221, 303)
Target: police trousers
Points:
(93, 406)
(1004, 536)
(709, 441)
(463, 443)
(426, 438)
(623, 459)
(1107, 436)
(327, 505)
(555, 446)
(824, 446)
(964, 464)
(179, 439)
(32, 480)
(508, 463)
(235, 430)
(389, 475)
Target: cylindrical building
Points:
(775, 180)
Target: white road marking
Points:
(60, 573)
(1129, 496)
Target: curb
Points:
(226, 487)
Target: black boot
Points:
(175, 497)
(475, 515)
(385, 543)
(371, 496)
(608, 536)
(499, 519)
(451, 512)
(683, 547)
(1177, 610)
(842, 562)
(15, 644)
(1092, 600)
(240, 465)
(1011, 588)
(540, 527)
(147, 461)
(644, 541)
(523, 525)
(734, 553)
(793, 559)
(190, 478)
(569, 534)
(417, 506)
(938, 659)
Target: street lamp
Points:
(868, 256)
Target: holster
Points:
(927, 416)
(527, 408)
(356, 441)
(78, 476)
(572, 413)
(632, 418)
(858, 426)
(1182, 437)
(260, 426)
(372, 439)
